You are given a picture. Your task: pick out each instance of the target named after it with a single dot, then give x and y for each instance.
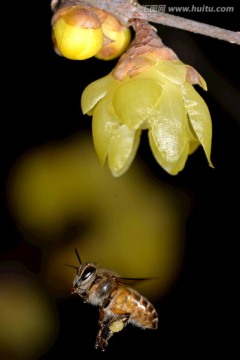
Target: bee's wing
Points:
(128, 280)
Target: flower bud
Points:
(116, 36)
(77, 32)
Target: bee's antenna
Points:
(78, 256)
(72, 266)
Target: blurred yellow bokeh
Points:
(133, 225)
(28, 322)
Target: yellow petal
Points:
(152, 74)
(135, 100)
(104, 125)
(168, 124)
(122, 149)
(96, 91)
(175, 71)
(200, 118)
(172, 167)
(193, 145)
(193, 140)
(179, 73)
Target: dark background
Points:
(41, 93)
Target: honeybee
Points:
(118, 303)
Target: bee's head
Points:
(85, 276)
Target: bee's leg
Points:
(108, 326)
(103, 335)
(83, 296)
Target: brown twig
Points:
(126, 10)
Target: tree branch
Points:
(126, 10)
(193, 26)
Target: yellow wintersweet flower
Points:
(160, 99)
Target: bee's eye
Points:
(87, 272)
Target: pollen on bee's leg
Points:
(116, 326)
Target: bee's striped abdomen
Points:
(142, 312)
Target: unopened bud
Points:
(116, 36)
(77, 32)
